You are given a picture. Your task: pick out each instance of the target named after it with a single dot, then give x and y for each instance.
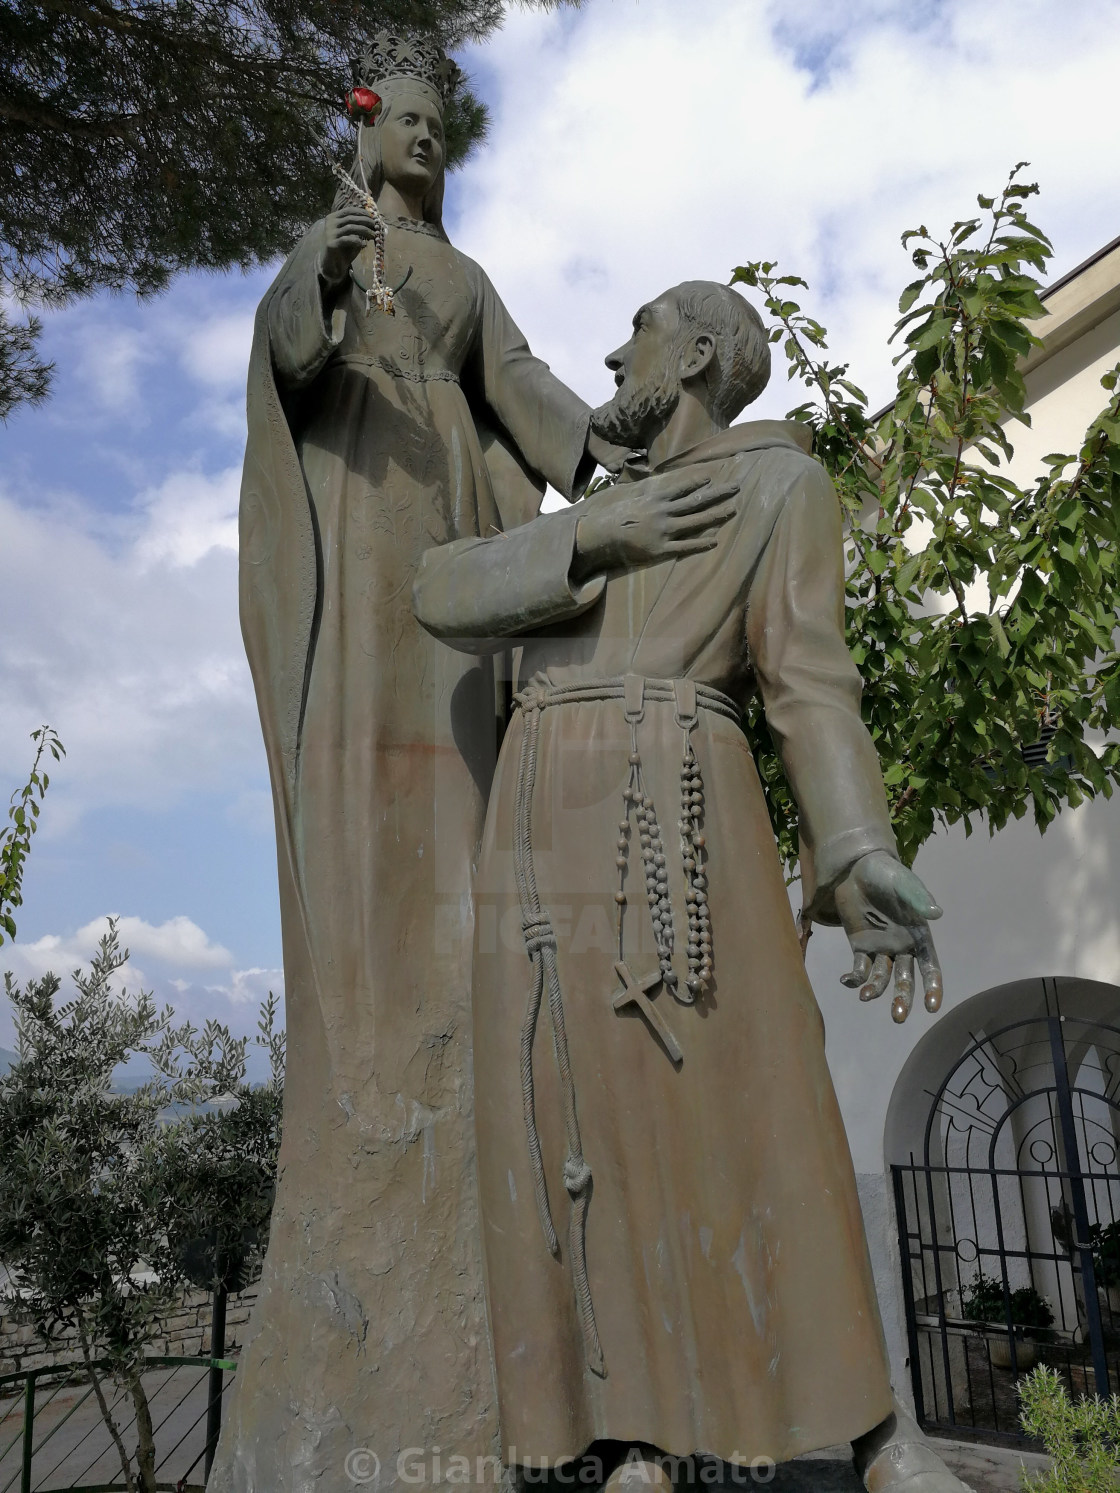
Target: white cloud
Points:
(642, 144)
(187, 517)
(176, 959)
(217, 351)
(178, 942)
(250, 986)
(110, 360)
(124, 635)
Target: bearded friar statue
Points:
(674, 1249)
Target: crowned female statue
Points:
(393, 406)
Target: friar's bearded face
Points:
(638, 411)
(647, 372)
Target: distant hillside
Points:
(6, 1059)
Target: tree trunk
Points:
(106, 1413)
(145, 1435)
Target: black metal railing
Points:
(53, 1435)
(1014, 1230)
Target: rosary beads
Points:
(656, 869)
(654, 863)
(378, 292)
(696, 882)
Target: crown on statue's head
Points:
(393, 56)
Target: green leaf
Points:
(1000, 635)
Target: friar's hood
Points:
(751, 435)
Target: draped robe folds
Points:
(725, 1251)
(372, 438)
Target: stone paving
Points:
(79, 1448)
(985, 1469)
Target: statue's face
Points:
(647, 372)
(412, 142)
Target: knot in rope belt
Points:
(633, 692)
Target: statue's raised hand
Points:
(886, 911)
(346, 231)
(610, 457)
(641, 523)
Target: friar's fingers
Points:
(674, 485)
(861, 968)
(695, 523)
(679, 548)
(903, 987)
(702, 497)
(931, 971)
(879, 979)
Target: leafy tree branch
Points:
(23, 821)
(981, 612)
(114, 1199)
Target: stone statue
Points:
(674, 1248)
(372, 438)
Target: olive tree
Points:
(112, 1199)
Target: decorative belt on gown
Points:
(412, 375)
(634, 692)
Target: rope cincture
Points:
(540, 937)
(540, 945)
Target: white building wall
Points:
(1016, 906)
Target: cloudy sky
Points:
(635, 143)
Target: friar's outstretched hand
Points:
(886, 911)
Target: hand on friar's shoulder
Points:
(665, 517)
(610, 457)
(886, 911)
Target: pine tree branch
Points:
(40, 116)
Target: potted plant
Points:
(1104, 1241)
(1024, 1312)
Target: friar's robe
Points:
(372, 438)
(725, 1251)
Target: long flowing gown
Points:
(372, 438)
(726, 1264)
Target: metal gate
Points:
(1008, 1225)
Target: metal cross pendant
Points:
(636, 993)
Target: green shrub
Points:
(1082, 1438)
